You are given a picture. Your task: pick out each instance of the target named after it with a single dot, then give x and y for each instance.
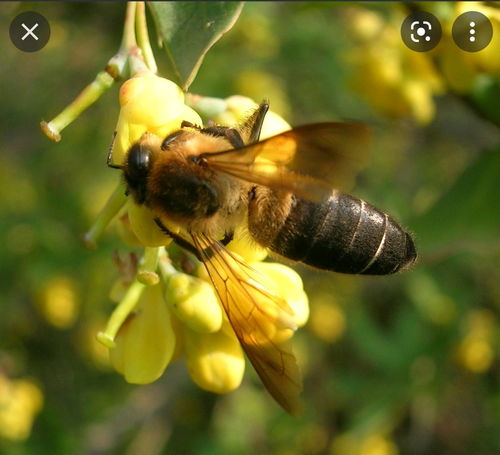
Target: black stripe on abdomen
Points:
(345, 234)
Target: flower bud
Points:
(288, 284)
(194, 302)
(58, 302)
(144, 227)
(260, 295)
(146, 341)
(215, 360)
(20, 401)
(327, 319)
(124, 229)
(476, 351)
(148, 104)
(239, 108)
(143, 97)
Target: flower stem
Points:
(167, 270)
(128, 38)
(207, 106)
(115, 70)
(87, 97)
(143, 37)
(129, 42)
(120, 314)
(147, 269)
(115, 202)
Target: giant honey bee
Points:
(210, 180)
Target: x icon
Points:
(29, 31)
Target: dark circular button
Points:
(29, 31)
(472, 31)
(421, 31)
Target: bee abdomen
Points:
(345, 234)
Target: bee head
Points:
(136, 171)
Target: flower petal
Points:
(215, 361)
(146, 342)
(194, 302)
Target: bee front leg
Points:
(182, 242)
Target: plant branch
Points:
(143, 37)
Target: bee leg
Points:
(183, 243)
(110, 151)
(231, 134)
(254, 123)
(170, 138)
(228, 237)
(234, 138)
(186, 124)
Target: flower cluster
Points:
(165, 313)
(403, 82)
(154, 105)
(462, 70)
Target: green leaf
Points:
(485, 95)
(187, 30)
(467, 216)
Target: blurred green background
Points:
(405, 364)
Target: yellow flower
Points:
(182, 314)
(350, 443)
(238, 110)
(215, 360)
(264, 284)
(461, 68)
(327, 319)
(401, 82)
(148, 104)
(194, 302)
(58, 302)
(288, 285)
(246, 247)
(476, 352)
(20, 401)
(146, 340)
(153, 105)
(144, 227)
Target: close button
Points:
(29, 31)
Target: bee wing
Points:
(306, 160)
(261, 320)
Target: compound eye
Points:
(139, 160)
(169, 139)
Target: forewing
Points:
(315, 156)
(261, 320)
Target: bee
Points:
(211, 180)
